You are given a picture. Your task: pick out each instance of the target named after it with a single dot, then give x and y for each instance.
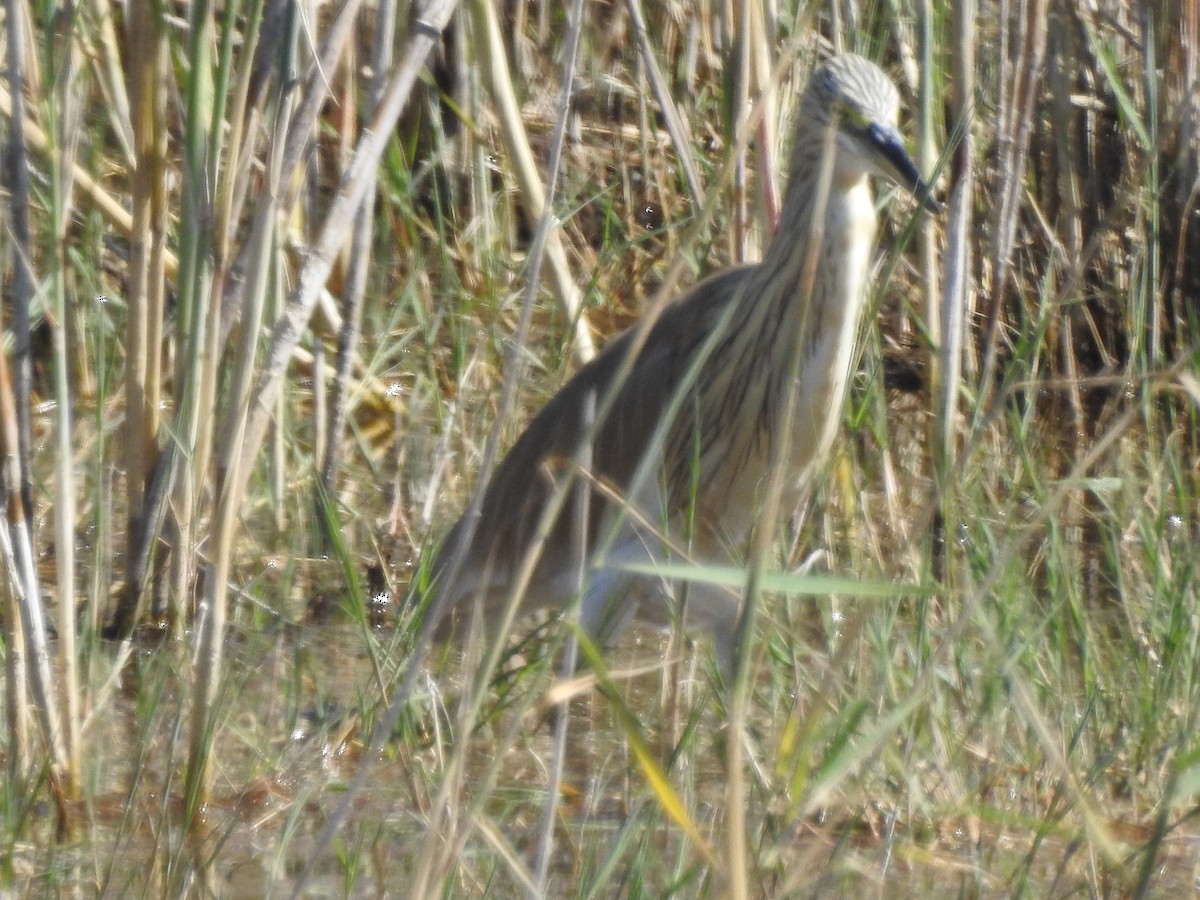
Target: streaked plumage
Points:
(731, 339)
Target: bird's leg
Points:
(715, 609)
(609, 604)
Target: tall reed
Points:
(309, 290)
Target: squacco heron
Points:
(675, 460)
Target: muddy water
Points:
(299, 702)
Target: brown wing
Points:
(522, 484)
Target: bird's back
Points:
(702, 413)
(526, 479)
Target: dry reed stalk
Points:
(928, 251)
(740, 112)
(224, 155)
(496, 74)
(957, 295)
(17, 543)
(17, 551)
(31, 648)
(168, 477)
(769, 175)
(145, 294)
(15, 388)
(680, 138)
(1067, 141)
(304, 122)
(258, 250)
(545, 849)
(359, 260)
(1014, 126)
(66, 133)
(106, 60)
(312, 279)
(108, 206)
(191, 427)
(16, 676)
(1186, 193)
(1154, 315)
(239, 152)
(17, 174)
(18, 714)
(736, 881)
(192, 363)
(569, 659)
(318, 264)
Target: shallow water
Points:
(300, 701)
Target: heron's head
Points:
(853, 95)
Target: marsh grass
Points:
(994, 695)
